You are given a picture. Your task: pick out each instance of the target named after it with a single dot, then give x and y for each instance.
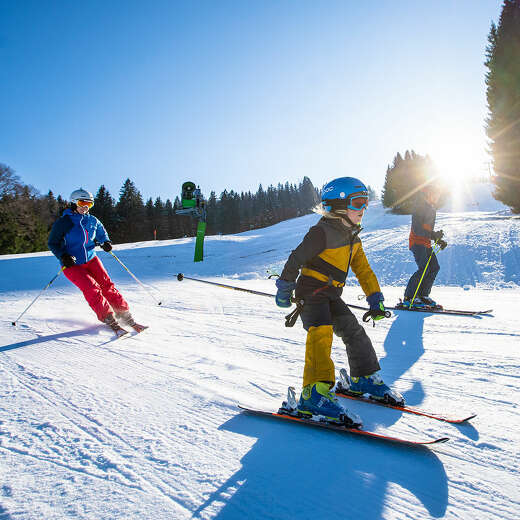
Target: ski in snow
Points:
(342, 390)
(430, 310)
(407, 409)
(120, 332)
(134, 332)
(439, 310)
(341, 429)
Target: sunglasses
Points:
(357, 202)
(84, 203)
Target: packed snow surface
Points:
(148, 427)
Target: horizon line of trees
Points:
(26, 216)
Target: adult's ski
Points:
(440, 310)
(341, 429)
(408, 409)
(429, 310)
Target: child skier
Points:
(421, 235)
(325, 255)
(72, 240)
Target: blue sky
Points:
(231, 94)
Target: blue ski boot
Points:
(372, 385)
(418, 303)
(317, 401)
(430, 303)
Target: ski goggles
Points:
(357, 202)
(85, 203)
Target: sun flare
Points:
(459, 165)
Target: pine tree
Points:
(503, 97)
(130, 214)
(404, 179)
(150, 223)
(309, 199)
(211, 210)
(104, 209)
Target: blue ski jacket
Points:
(76, 235)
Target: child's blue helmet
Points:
(344, 193)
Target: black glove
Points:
(107, 246)
(376, 314)
(442, 244)
(437, 235)
(68, 260)
(377, 309)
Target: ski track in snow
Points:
(147, 426)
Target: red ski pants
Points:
(93, 281)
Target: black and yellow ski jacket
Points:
(324, 256)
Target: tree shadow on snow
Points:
(297, 472)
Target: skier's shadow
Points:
(50, 337)
(404, 347)
(4, 515)
(294, 471)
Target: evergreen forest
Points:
(26, 216)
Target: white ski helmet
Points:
(81, 194)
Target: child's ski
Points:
(408, 409)
(341, 429)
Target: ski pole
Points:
(135, 278)
(181, 277)
(290, 319)
(434, 250)
(41, 292)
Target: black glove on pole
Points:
(68, 260)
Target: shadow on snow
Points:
(297, 472)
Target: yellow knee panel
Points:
(318, 364)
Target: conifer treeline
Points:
(503, 97)
(26, 217)
(131, 219)
(404, 179)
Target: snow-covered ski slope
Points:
(147, 427)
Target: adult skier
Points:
(421, 234)
(327, 252)
(72, 240)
